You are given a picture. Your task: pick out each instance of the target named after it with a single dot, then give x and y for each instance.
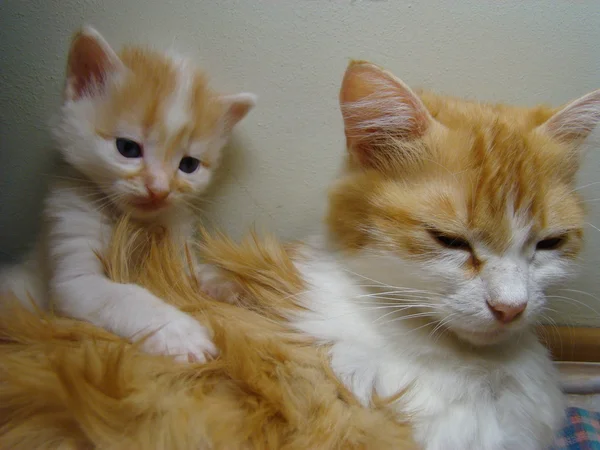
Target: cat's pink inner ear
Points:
(576, 121)
(236, 108)
(89, 63)
(376, 106)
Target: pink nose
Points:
(506, 313)
(157, 195)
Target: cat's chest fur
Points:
(456, 397)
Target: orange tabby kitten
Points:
(141, 134)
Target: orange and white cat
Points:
(447, 225)
(140, 133)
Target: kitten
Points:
(140, 134)
(449, 222)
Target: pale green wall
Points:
(293, 53)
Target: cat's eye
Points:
(449, 241)
(129, 148)
(189, 164)
(551, 243)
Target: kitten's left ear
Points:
(576, 121)
(90, 63)
(236, 107)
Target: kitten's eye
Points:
(129, 148)
(189, 164)
(551, 243)
(451, 242)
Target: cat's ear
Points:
(235, 108)
(90, 62)
(376, 107)
(573, 123)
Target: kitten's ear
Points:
(576, 121)
(236, 107)
(90, 62)
(377, 106)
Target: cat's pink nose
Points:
(157, 195)
(506, 313)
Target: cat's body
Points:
(140, 134)
(447, 225)
(456, 396)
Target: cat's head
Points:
(467, 210)
(144, 126)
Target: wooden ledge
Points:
(577, 344)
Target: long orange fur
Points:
(68, 384)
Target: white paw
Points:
(216, 285)
(183, 337)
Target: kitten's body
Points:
(140, 134)
(449, 221)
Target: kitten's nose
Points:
(157, 194)
(506, 313)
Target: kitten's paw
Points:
(214, 283)
(184, 338)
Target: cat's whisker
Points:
(585, 186)
(402, 317)
(441, 327)
(593, 226)
(577, 291)
(553, 326)
(401, 291)
(575, 301)
(399, 295)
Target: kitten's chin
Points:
(146, 213)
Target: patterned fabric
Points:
(581, 432)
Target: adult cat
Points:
(447, 225)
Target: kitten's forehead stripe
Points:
(167, 98)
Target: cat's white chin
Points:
(484, 338)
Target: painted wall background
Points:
(292, 53)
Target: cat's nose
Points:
(157, 194)
(506, 313)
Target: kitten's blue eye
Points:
(189, 164)
(129, 148)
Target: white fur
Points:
(394, 325)
(92, 191)
(391, 107)
(577, 119)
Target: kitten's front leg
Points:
(133, 312)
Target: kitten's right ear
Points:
(376, 107)
(91, 60)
